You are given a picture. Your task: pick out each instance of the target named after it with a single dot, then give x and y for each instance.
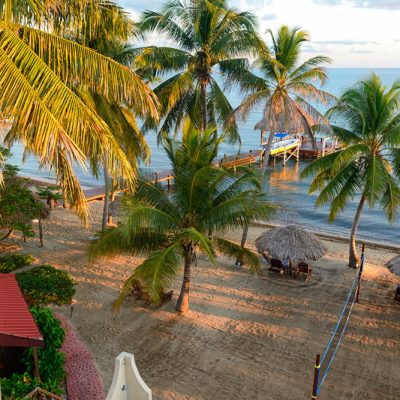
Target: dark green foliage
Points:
(12, 261)
(51, 360)
(19, 385)
(45, 284)
(50, 193)
(18, 204)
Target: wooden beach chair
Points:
(276, 265)
(397, 293)
(303, 268)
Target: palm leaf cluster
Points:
(210, 39)
(170, 228)
(40, 73)
(367, 123)
(285, 87)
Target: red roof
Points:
(17, 326)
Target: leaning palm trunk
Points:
(183, 301)
(106, 195)
(353, 256)
(267, 151)
(41, 232)
(239, 260)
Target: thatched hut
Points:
(394, 265)
(290, 243)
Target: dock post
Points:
(284, 158)
(316, 378)
(298, 153)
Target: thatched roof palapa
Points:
(394, 265)
(290, 243)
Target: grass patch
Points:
(12, 261)
(45, 284)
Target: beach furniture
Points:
(302, 268)
(277, 265)
(397, 293)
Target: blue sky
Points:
(355, 33)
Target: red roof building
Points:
(17, 326)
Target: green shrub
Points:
(45, 284)
(12, 261)
(19, 385)
(51, 360)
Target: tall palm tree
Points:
(284, 87)
(39, 71)
(368, 166)
(110, 39)
(210, 39)
(170, 229)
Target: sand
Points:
(246, 336)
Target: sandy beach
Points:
(246, 336)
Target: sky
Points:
(354, 33)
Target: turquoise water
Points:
(283, 184)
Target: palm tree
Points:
(170, 229)
(368, 166)
(40, 71)
(210, 39)
(285, 87)
(110, 40)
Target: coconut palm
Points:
(39, 71)
(170, 229)
(367, 168)
(210, 38)
(110, 40)
(284, 87)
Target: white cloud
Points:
(370, 27)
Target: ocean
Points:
(283, 185)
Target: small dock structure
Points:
(324, 146)
(284, 147)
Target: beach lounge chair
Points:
(397, 293)
(303, 268)
(276, 265)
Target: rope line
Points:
(340, 317)
(337, 345)
(335, 331)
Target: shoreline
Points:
(337, 238)
(318, 232)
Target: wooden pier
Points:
(286, 152)
(244, 159)
(324, 147)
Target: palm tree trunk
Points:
(7, 234)
(41, 232)
(112, 198)
(353, 257)
(267, 151)
(182, 304)
(204, 106)
(106, 195)
(239, 260)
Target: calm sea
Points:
(283, 185)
